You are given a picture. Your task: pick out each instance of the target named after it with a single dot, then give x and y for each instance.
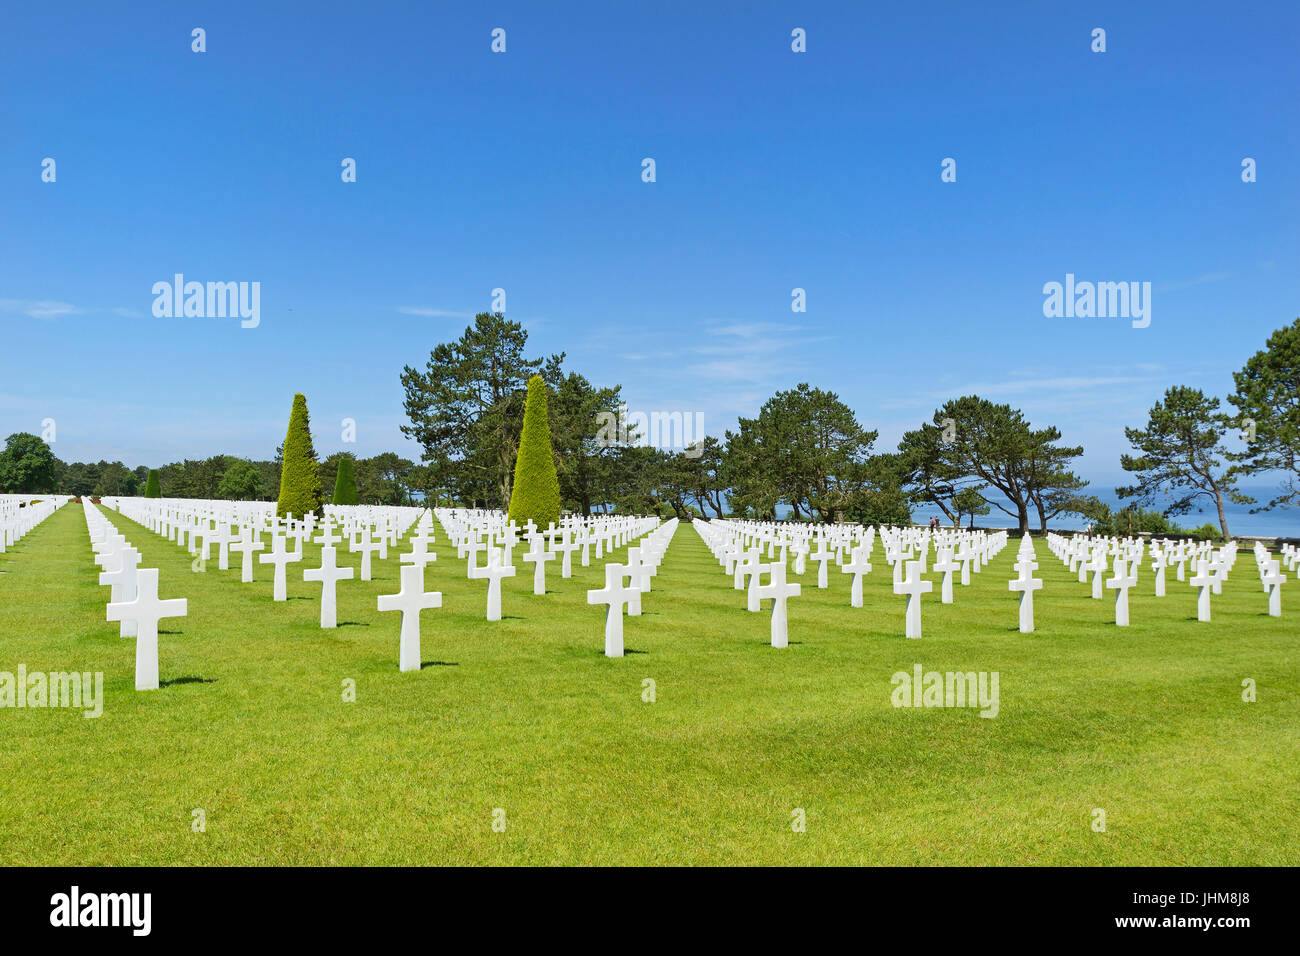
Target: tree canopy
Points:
(27, 465)
(1181, 455)
(1267, 398)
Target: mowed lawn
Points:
(527, 715)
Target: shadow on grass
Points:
(425, 664)
(353, 624)
(187, 680)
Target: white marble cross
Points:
(538, 555)
(779, 591)
(1098, 567)
(410, 600)
(145, 611)
(222, 538)
(367, 546)
(246, 544)
(471, 552)
(1026, 584)
(821, 556)
(327, 537)
(965, 555)
(328, 574)
(913, 587)
(638, 576)
(281, 558)
(419, 554)
(494, 571)
(1120, 583)
(566, 547)
(746, 566)
(123, 578)
(857, 566)
(615, 596)
(1203, 579)
(944, 563)
(1273, 579)
(1158, 565)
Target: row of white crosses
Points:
(133, 597)
(1271, 577)
(747, 571)
(642, 564)
(367, 530)
(411, 599)
(19, 514)
(1025, 583)
(201, 524)
(492, 535)
(1210, 567)
(739, 545)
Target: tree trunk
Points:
(1023, 516)
(1223, 519)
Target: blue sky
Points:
(522, 170)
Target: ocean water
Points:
(1278, 523)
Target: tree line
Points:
(804, 455)
(27, 464)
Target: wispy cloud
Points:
(39, 308)
(1199, 280)
(1077, 386)
(751, 330)
(428, 313)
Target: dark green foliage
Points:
(300, 492)
(115, 480)
(1267, 397)
(153, 487)
(1180, 455)
(536, 493)
(466, 408)
(345, 483)
(27, 465)
(242, 481)
(807, 450)
(972, 443)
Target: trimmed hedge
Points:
(345, 483)
(536, 492)
(152, 487)
(300, 492)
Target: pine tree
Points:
(152, 488)
(536, 492)
(300, 492)
(345, 483)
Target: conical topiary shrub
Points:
(345, 483)
(299, 483)
(152, 487)
(536, 492)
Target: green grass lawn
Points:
(527, 715)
